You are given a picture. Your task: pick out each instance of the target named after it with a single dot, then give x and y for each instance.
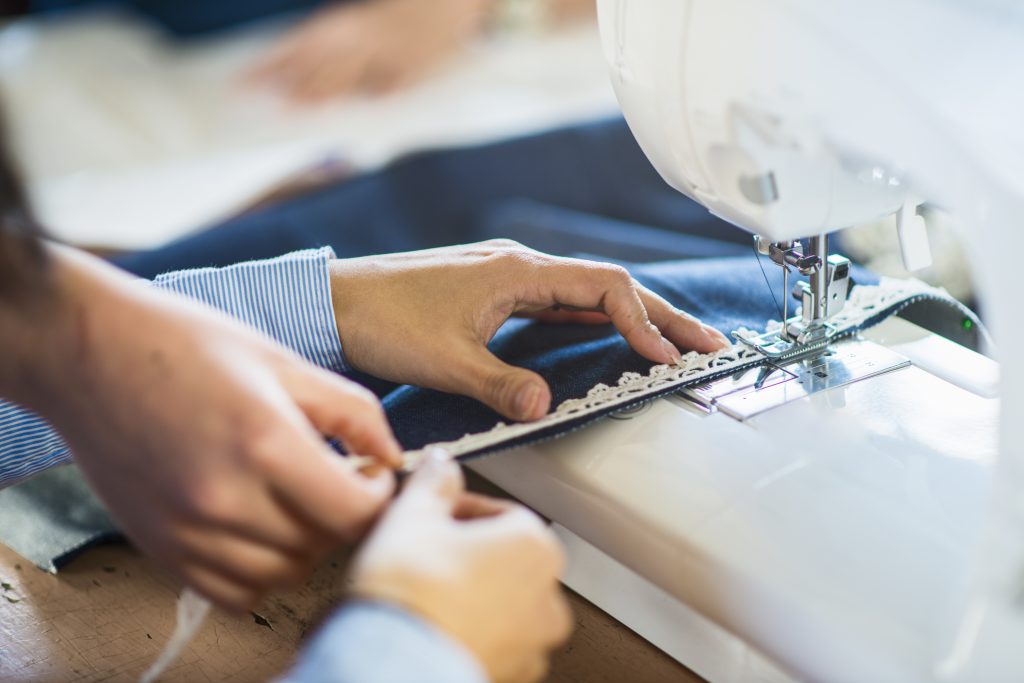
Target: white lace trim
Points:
(865, 302)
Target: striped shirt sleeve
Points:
(287, 298)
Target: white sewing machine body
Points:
(834, 561)
(869, 531)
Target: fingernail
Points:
(671, 351)
(438, 454)
(380, 482)
(434, 460)
(715, 335)
(526, 401)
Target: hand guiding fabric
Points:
(457, 559)
(425, 318)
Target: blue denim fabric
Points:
(724, 293)
(185, 18)
(585, 188)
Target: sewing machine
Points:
(850, 520)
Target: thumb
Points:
(436, 483)
(516, 393)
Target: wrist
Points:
(336, 276)
(406, 592)
(47, 334)
(375, 641)
(453, 648)
(29, 311)
(345, 277)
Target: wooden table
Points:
(107, 616)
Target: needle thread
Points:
(775, 300)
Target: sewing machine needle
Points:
(785, 302)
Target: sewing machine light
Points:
(913, 236)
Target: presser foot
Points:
(797, 343)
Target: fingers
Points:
(553, 629)
(277, 63)
(651, 326)
(437, 485)
(255, 568)
(266, 522)
(517, 522)
(514, 392)
(563, 315)
(560, 618)
(313, 483)
(320, 81)
(309, 68)
(321, 489)
(346, 411)
(533, 669)
(600, 287)
(623, 305)
(470, 506)
(330, 55)
(221, 591)
(678, 327)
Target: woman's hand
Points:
(426, 317)
(484, 571)
(369, 46)
(203, 438)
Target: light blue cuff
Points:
(287, 298)
(371, 642)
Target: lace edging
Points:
(865, 302)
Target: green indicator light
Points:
(967, 324)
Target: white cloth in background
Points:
(129, 140)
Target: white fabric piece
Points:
(129, 140)
(191, 613)
(192, 610)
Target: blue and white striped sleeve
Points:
(287, 298)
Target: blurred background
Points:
(175, 134)
(139, 122)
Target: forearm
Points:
(44, 334)
(41, 325)
(50, 340)
(288, 299)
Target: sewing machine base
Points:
(825, 535)
(676, 629)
